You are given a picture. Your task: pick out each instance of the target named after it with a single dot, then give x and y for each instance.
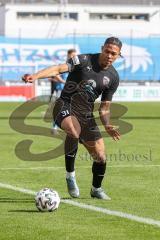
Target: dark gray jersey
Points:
(86, 78)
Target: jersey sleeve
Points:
(108, 93)
(76, 63)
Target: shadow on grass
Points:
(80, 198)
(24, 211)
(16, 200)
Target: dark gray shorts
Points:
(89, 128)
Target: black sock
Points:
(98, 170)
(71, 147)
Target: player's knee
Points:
(100, 157)
(71, 127)
(73, 135)
(71, 132)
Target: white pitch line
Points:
(56, 168)
(14, 188)
(32, 168)
(135, 218)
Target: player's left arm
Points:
(104, 113)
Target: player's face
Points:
(109, 54)
(72, 54)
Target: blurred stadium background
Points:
(35, 34)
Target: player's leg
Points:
(65, 120)
(54, 129)
(97, 151)
(71, 147)
(52, 99)
(72, 128)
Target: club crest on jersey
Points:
(106, 81)
(92, 83)
(75, 60)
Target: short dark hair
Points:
(71, 50)
(113, 40)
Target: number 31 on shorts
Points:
(65, 113)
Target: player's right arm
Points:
(104, 113)
(57, 79)
(46, 73)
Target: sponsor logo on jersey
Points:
(75, 60)
(89, 68)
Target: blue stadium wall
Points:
(140, 61)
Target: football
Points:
(47, 200)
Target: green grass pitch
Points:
(132, 181)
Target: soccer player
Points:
(90, 76)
